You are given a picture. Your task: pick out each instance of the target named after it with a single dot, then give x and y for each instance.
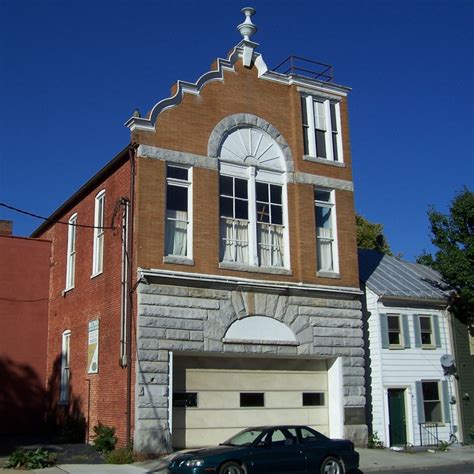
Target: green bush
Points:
(443, 446)
(374, 441)
(120, 456)
(29, 459)
(104, 438)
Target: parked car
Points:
(269, 449)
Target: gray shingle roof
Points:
(390, 276)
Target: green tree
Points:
(453, 236)
(370, 236)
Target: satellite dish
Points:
(447, 361)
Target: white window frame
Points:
(432, 343)
(188, 184)
(309, 102)
(71, 253)
(334, 238)
(65, 368)
(253, 175)
(99, 235)
(400, 344)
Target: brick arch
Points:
(231, 122)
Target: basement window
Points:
(253, 399)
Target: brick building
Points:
(207, 280)
(24, 281)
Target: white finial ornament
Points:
(247, 28)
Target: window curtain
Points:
(270, 244)
(325, 254)
(234, 240)
(176, 233)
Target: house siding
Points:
(465, 369)
(393, 368)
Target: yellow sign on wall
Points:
(93, 347)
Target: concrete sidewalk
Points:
(375, 460)
(371, 460)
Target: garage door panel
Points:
(197, 380)
(243, 418)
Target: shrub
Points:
(443, 446)
(104, 438)
(374, 441)
(29, 459)
(471, 432)
(120, 456)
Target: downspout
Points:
(131, 154)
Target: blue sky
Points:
(72, 72)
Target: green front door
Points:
(397, 421)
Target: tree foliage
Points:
(370, 236)
(453, 236)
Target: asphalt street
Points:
(467, 468)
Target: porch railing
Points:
(429, 434)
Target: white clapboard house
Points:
(410, 372)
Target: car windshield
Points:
(244, 438)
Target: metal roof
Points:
(390, 276)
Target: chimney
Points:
(6, 227)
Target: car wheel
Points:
(231, 468)
(332, 465)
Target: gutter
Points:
(442, 303)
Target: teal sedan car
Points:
(285, 449)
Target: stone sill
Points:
(254, 269)
(178, 260)
(324, 161)
(328, 274)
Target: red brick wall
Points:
(96, 397)
(187, 127)
(24, 280)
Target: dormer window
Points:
(321, 128)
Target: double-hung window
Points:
(394, 330)
(252, 221)
(325, 209)
(426, 331)
(432, 402)
(234, 209)
(98, 251)
(65, 368)
(178, 238)
(269, 224)
(71, 252)
(321, 128)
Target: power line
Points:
(52, 220)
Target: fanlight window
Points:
(252, 199)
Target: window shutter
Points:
(416, 327)
(446, 407)
(406, 331)
(384, 331)
(436, 332)
(419, 402)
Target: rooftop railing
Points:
(305, 67)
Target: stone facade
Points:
(192, 319)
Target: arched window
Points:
(253, 206)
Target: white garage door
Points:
(215, 398)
